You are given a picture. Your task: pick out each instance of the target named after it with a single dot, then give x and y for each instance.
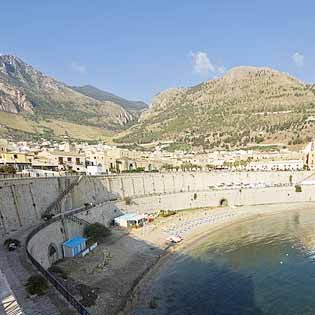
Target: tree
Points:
(7, 169)
(96, 232)
(36, 284)
(167, 167)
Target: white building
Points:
(94, 170)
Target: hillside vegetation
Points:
(247, 105)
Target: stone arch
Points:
(223, 202)
(52, 253)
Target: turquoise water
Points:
(261, 266)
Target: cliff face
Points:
(25, 90)
(13, 100)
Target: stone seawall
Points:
(23, 201)
(57, 232)
(171, 192)
(235, 197)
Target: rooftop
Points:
(74, 242)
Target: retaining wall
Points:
(235, 197)
(23, 201)
(103, 213)
(150, 193)
(54, 234)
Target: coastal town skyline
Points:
(157, 157)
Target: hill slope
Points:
(40, 98)
(246, 105)
(101, 95)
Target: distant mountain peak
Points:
(250, 72)
(104, 96)
(11, 60)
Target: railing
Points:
(48, 275)
(77, 220)
(6, 175)
(61, 196)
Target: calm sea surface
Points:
(261, 266)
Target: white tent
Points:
(130, 219)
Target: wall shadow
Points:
(191, 287)
(185, 285)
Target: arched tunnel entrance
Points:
(224, 202)
(52, 253)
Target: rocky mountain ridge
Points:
(103, 96)
(27, 91)
(246, 105)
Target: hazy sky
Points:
(136, 48)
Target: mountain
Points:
(247, 105)
(46, 103)
(100, 95)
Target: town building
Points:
(66, 161)
(18, 160)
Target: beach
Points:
(116, 276)
(196, 225)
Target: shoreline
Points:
(246, 213)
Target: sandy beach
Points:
(193, 226)
(112, 279)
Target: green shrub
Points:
(128, 201)
(135, 170)
(36, 284)
(58, 271)
(166, 213)
(11, 244)
(298, 188)
(153, 304)
(96, 232)
(7, 169)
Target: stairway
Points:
(57, 203)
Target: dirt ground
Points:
(103, 279)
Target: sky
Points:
(139, 48)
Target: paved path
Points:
(17, 270)
(8, 302)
